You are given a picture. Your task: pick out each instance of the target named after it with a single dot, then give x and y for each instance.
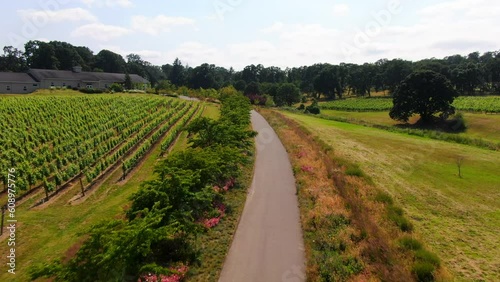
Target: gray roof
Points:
(16, 77)
(41, 74)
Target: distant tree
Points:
(253, 88)
(395, 71)
(110, 62)
(425, 93)
(251, 73)
(467, 77)
(240, 85)
(327, 82)
(204, 76)
(287, 94)
(178, 73)
(128, 82)
(40, 55)
(12, 60)
(87, 57)
(67, 55)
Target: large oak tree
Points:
(425, 93)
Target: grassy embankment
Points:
(457, 218)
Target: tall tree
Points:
(178, 73)
(287, 94)
(128, 82)
(12, 60)
(327, 82)
(110, 62)
(425, 93)
(40, 55)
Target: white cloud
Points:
(64, 15)
(276, 27)
(159, 24)
(341, 10)
(109, 3)
(100, 32)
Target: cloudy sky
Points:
(284, 33)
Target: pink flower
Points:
(307, 168)
(301, 154)
(176, 277)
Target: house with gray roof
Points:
(17, 83)
(20, 83)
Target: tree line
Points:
(473, 74)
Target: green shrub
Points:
(410, 243)
(115, 87)
(457, 123)
(396, 214)
(383, 197)
(424, 271)
(301, 107)
(354, 170)
(336, 267)
(426, 256)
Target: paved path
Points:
(268, 244)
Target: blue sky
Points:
(241, 32)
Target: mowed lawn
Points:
(484, 126)
(459, 218)
(54, 232)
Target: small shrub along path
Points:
(268, 245)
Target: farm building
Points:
(20, 83)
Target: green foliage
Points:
(91, 91)
(424, 271)
(313, 108)
(354, 170)
(409, 243)
(457, 123)
(287, 94)
(425, 93)
(115, 87)
(383, 197)
(335, 267)
(426, 256)
(269, 101)
(396, 215)
(128, 82)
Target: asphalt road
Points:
(268, 244)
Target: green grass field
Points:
(484, 126)
(458, 218)
(54, 231)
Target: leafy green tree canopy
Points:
(425, 93)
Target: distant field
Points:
(484, 126)
(490, 104)
(458, 218)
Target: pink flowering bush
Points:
(211, 222)
(307, 168)
(177, 276)
(228, 185)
